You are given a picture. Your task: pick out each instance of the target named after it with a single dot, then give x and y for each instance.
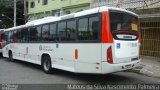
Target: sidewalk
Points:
(149, 66)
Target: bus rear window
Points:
(123, 23)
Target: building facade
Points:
(41, 8)
(127, 4)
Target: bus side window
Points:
(71, 30)
(94, 27)
(5, 38)
(88, 28)
(62, 31)
(15, 36)
(35, 33)
(45, 32)
(18, 35)
(10, 36)
(52, 32)
(83, 33)
(25, 35)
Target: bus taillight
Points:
(109, 55)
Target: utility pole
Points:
(25, 13)
(15, 14)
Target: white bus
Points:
(100, 41)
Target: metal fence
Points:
(150, 34)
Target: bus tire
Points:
(47, 64)
(10, 56)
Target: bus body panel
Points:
(125, 51)
(81, 57)
(63, 56)
(119, 64)
(110, 68)
(89, 58)
(30, 52)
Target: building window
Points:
(32, 4)
(45, 2)
(67, 12)
(56, 12)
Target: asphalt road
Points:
(19, 72)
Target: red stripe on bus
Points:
(0, 40)
(76, 53)
(106, 33)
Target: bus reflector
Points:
(76, 53)
(109, 55)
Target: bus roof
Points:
(17, 27)
(77, 14)
(1, 30)
(43, 20)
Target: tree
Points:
(7, 9)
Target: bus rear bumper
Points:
(109, 68)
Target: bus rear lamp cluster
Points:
(109, 55)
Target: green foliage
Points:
(6, 8)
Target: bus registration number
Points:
(128, 66)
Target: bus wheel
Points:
(11, 56)
(46, 64)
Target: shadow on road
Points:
(80, 78)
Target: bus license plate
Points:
(128, 66)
